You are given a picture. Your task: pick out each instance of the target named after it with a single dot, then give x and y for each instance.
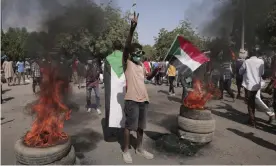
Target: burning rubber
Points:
(196, 124)
(46, 142)
(63, 154)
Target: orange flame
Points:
(198, 98)
(47, 129)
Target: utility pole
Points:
(243, 24)
(243, 52)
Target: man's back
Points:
(20, 66)
(254, 69)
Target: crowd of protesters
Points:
(132, 71)
(249, 73)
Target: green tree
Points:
(165, 38)
(85, 29)
(150, 52)
(13, 42)
(84, 40)
(267, 30)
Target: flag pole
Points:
(171, 47)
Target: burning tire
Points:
(196, 126)
(195, 137)
(70, 159)
(42, 156)
(195, 114)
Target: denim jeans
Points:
(97, 96)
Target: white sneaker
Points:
(89, 110)
(99, 111)
(173, 94)
(145, 154)
(127, 157)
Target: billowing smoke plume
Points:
(222, 18)
(213, 18)
(33, 14)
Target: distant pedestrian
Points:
(9, 72)
(92, 83)
(171, 76)
(36, 74)
(21, 71)
(76, 78)
(226, 79)
(27, 69)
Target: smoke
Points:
(32, 14)
(213, 18)
(218, 18)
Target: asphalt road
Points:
(233, 143)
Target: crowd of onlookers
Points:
(250, 73)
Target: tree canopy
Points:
(165, 38)
(86, 29)
(83, 30)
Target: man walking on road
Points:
(20, 70)
(136, 98)
(35, 69)
(239, 77)
(9, 72)
(76, 78)
(171, 77)
(226, 79)
(92, 83)
(252, 71)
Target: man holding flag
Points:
(136, 98)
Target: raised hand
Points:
(134, 20)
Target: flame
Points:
(51, 112)
(198, 97)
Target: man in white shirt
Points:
(252, 71)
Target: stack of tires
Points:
(63, 154)
(196, 125)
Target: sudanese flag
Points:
(115, 89)
(184, 56)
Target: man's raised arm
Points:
(129, 38)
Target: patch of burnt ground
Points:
(171, 144)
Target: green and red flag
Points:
(184, 56)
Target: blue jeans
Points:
(97, 96)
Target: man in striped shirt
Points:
(35, 69)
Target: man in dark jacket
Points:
(92, 82)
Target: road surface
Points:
(233, 143)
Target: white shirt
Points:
(252, 70)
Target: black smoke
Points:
(47, 19)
